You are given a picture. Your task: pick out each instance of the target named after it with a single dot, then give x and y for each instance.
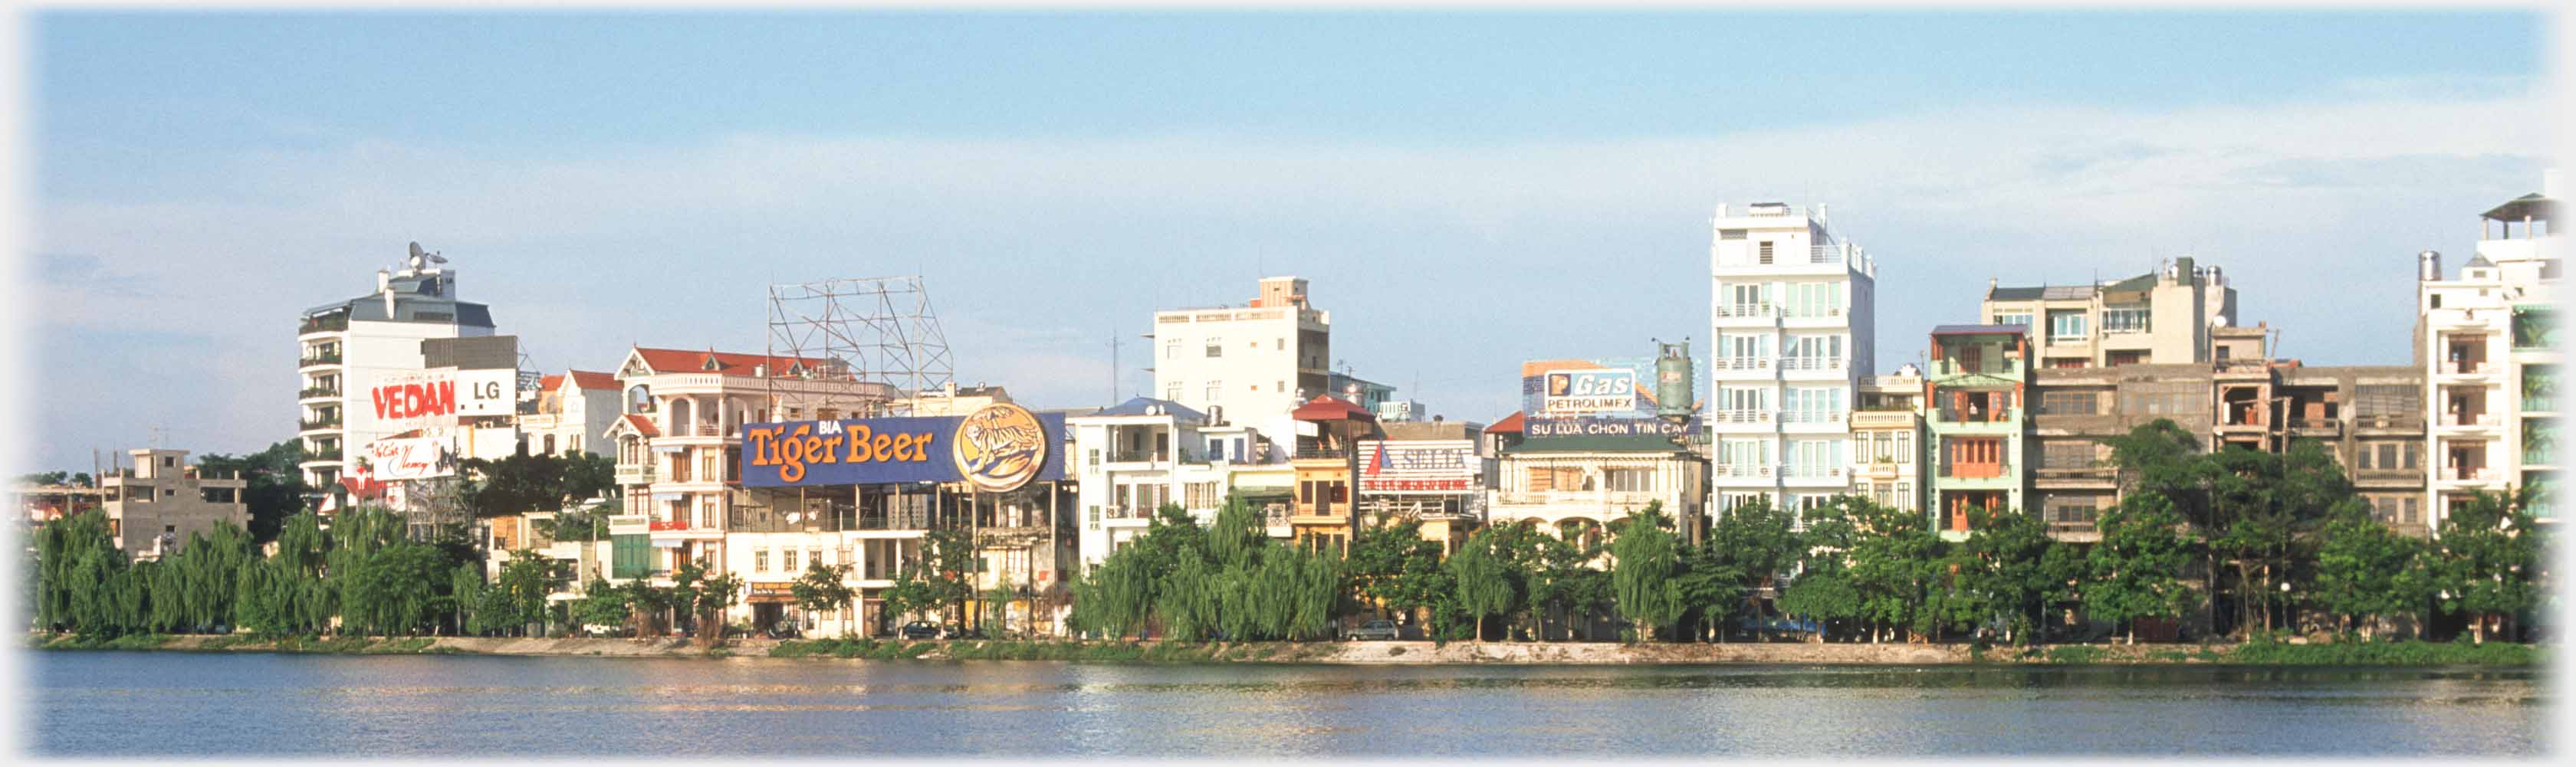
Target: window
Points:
(1864, 447)
(2068, 454)
(2069, 403)
(1904, 494)
(1283, 344)
(1213, 387)
(1905, 447)
(787, 561)
(760, 560)
(1172, 391)
(1215, 347)
(814, 555)
(1280, 386)
(1814, 458)
(2074, 510)
(1172, 349)
(2397, 400)
(2066, 325)
(1730, 234)
(2124, 319)
(1745, 457)
(1766, 252)
(2013, 318)
(1629, 480)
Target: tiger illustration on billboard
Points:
(1000, 448)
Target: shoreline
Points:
(2403, 654)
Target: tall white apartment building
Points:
(1792, 327)
(2488, 341)
(1248, 365)
(351, 347)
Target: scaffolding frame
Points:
(870, 331)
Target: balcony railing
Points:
(2320, 424)
(2468, 419)
(1829, 312)
(1746, 310)
(1795, 471)
(1977, 470)
(2479, 474)
(318, 391)
(636, 473)
(1811, 363)
(1835, 416)
(325, 358)
(332, 454)
(660, 525)
(1742, 416)
(629, 521)
(1322, 453)
(1139, 456)
(1743, 363)
(310, 424)
(326, 323)
(1995, 415)
(1744, 471)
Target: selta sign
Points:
(999, 448)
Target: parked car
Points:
(920, 630)
(1381, 629)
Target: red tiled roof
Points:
(728, 363)
(549, 383)
(591, 380)
(1510, 424)
(1327, 407)
(642, 425)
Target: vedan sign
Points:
(1000, 448)
(438, 397)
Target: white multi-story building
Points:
(1131, 459)
(2488, 340)
(1250, 365)
(1792, 327)
(352, 347)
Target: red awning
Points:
(1330, 408)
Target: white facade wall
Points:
(371, 353)
(1792, 340)
(2474, 404)
(1242, 365)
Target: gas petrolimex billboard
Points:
(999, 448)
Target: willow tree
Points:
(1116, 597)
(1483, 579)
(1644, 556)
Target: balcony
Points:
(2317, 426)
(328, 454)
(1811, 363)
(2470, 421)
(319, 424)
(1997, 470)
(329, 323)
(1139, 456)
(1975, 416)
(1813, 419)
(2398, 421)
(1740, 416)
(318, 360)
(1744, 471)
(1742, 363)
(2470, 474)
(900, 520)
(637, 473)
(667, 525)
(629, 524)
(1882, 418)
(1747, 311)
(1322, 453)
(1798, 473)
(319, 392)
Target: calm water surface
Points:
(90, 703)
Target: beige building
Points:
(153, 506)
(2162, 317)
(1887, 440)
(2487, 340)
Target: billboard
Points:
(391, 460)
(435, 398)
(1418, 466)
(1609, 387)
(1606, 427)
(999, 448)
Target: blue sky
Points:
(1464, 191)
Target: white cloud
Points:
(1453, 260)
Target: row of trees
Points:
(2263, 541)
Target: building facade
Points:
(2487, 339)
(1429, 472)
(156, 504)
(570, 414)
(1887, 438)
(2161, 317)
(353, 350)
(1249, 365)
(1793, 329)
(1974, 399)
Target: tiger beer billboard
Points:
(999, 448)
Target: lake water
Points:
(116, 703)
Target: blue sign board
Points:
(999, 448)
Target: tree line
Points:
(2262, 542)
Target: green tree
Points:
(1757, 541)
(2486, 552)
(2135, 567)
(2004, 564)
(1894, 561)
(1644, 558)
(1482, 578)
(1823, 590)
(1395, 570)
(273, 484)
(600, 605)
(822, 589)
(938, 578)
(2367, 572)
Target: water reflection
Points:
(413, 706)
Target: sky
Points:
(1462, 191)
